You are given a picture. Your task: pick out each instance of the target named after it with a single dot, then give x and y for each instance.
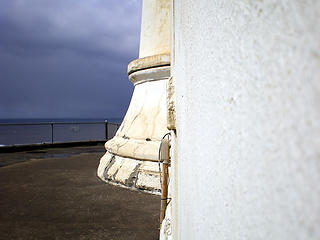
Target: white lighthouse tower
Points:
(132, 155)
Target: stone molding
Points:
(151, 74)
(149, 62)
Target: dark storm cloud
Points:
(67, 58)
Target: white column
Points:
(132, 155)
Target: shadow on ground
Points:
(61, 198)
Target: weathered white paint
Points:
(140, 133)
(139, 136)
(130, 173)
(155, 28)
(247, 79)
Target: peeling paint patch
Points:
(131, 173)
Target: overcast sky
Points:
(67, 58)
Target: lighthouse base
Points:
(130, 173)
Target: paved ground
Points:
(61, 198)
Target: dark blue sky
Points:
(67, 58)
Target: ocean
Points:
(38, 131)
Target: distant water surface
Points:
(48, 120)
(37, 131)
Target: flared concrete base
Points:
(130, 173)
(141, 131)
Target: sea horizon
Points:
(17, 131)
(49, 120)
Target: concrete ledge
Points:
(134, 148)
(20, 148)
(150, 74)
(149, 62)
(130, 173)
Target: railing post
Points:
(106, 126)
(51, 132)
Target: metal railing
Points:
(55, 132)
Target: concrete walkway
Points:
(61, 198)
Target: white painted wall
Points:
(247, 78)
(155, 28)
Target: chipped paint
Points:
(132, 155)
